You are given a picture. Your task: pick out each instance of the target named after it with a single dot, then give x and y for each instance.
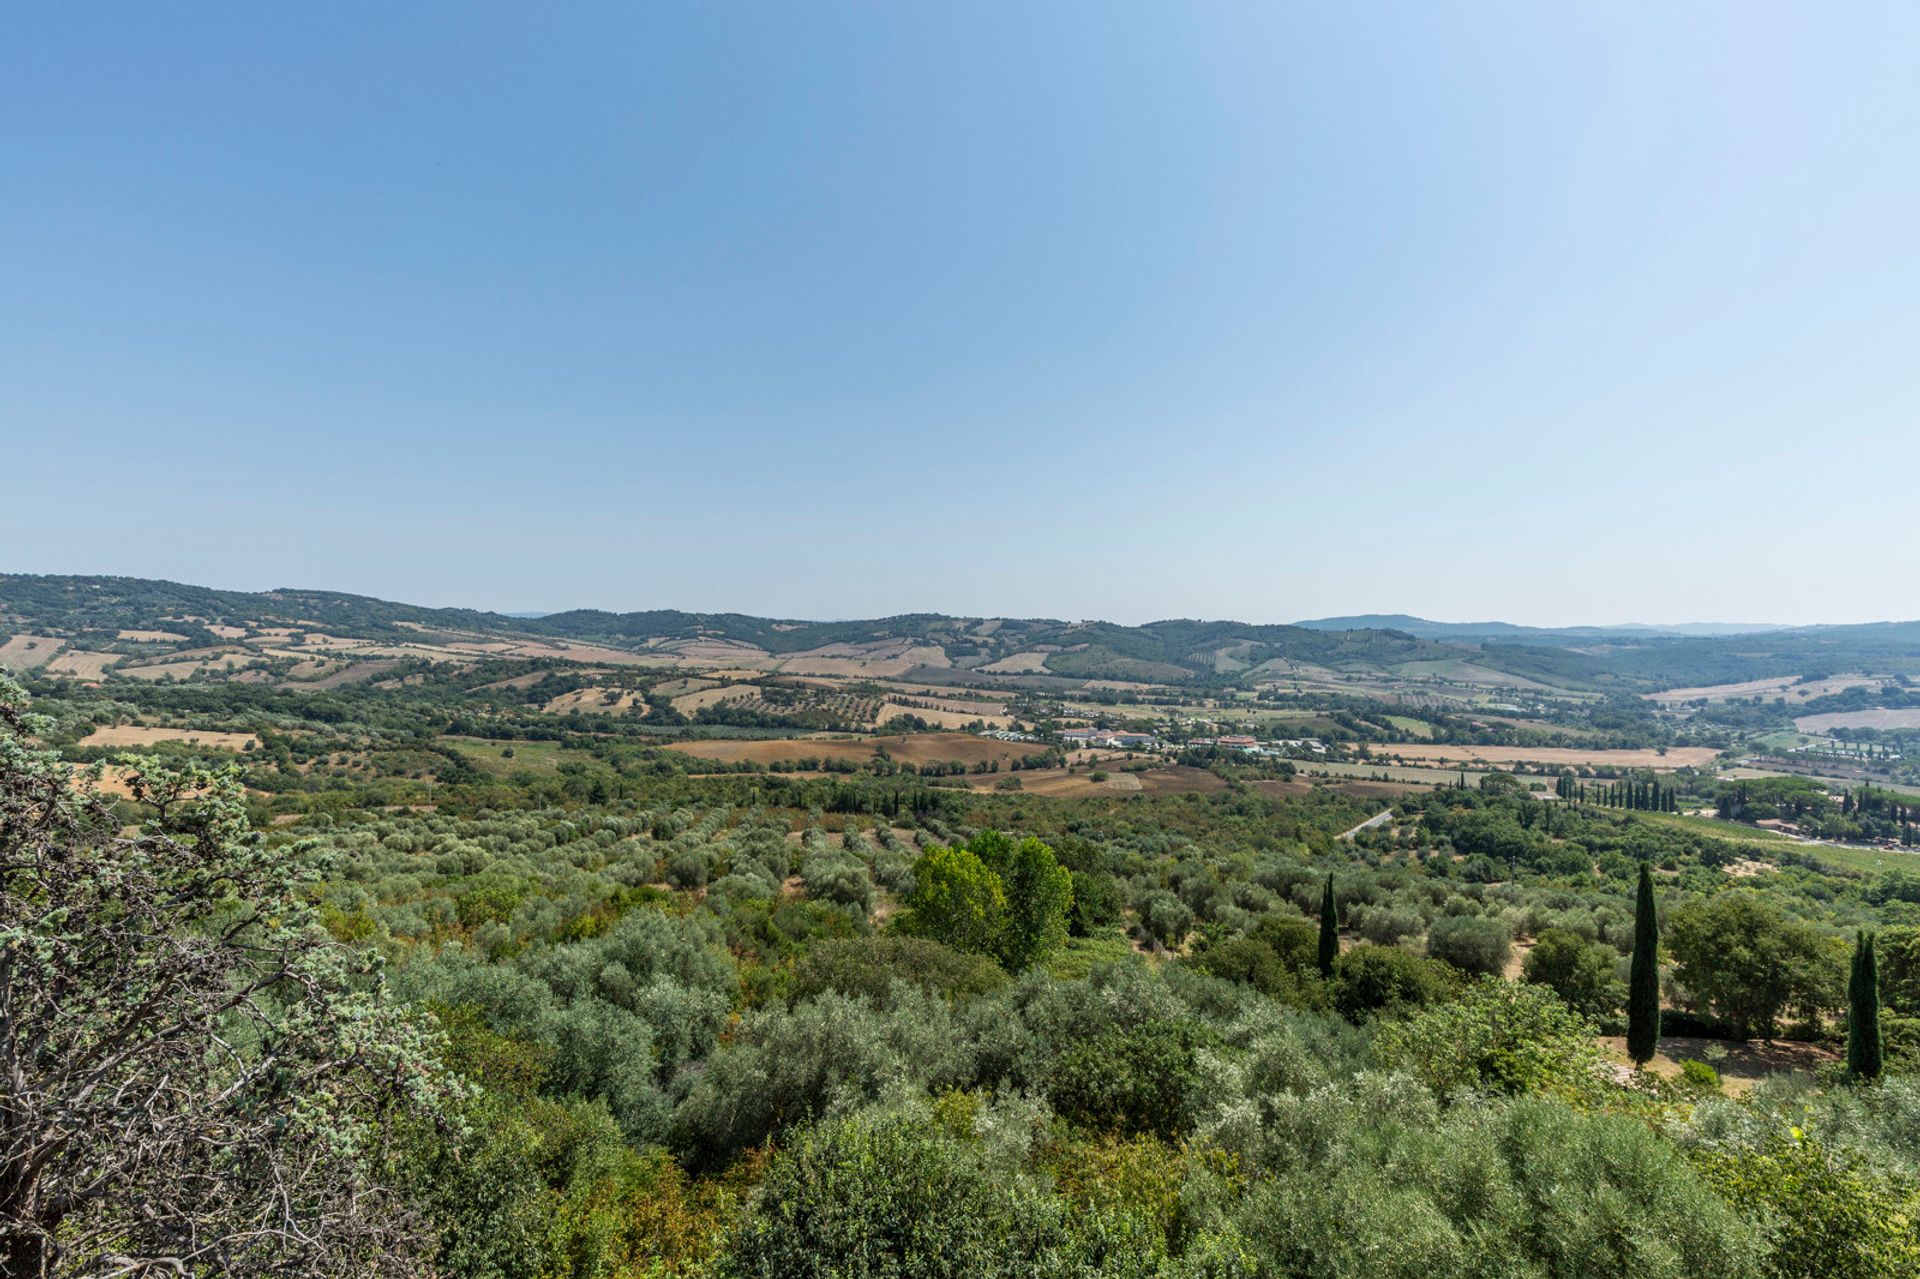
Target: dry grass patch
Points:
(940, 718)
(689, 703)
(1018, 664)
(1745, 1064)
(1675, 756)
(25, 652)
(80, 664)
(591, 654)
(712, 652)
(353, 674)
(598, 701)
(893, 657)
(142, 735)
(1784, 686)
(184, 669)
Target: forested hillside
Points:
(94, 611)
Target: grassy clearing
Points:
(1082, 955)
(1741, 1064)
(1868, 861)
(1731, 832)
(543, 758)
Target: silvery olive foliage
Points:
(197, 1079)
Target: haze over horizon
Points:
(1547, 316)
(1368, 616)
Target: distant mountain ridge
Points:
(1424, 628)
(1398, 647)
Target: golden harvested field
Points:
(316, 640)
(181, 670)
(598, 701)
(908, 748)
(891, 658)
(311, 669)
(940, 717)
(592, 653)
(969, 708)
(708, 652)
(24, 652)
(688, 703)
(1018, 664)
(1676, 756)
(352, 674)
(671, 688)
(153, 637)
(80, 664)
(139, 735)
(1785, 686)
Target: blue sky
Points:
(1552, 313)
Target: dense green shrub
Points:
(1131, 1080)
(869, 966)
(1586, 974)
(1373, 979)
(1499, 1036)
(1824, 1214)
(787, 1066)
(901, 1198)
(1472, 943)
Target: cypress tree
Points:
(1643, 978)
(1863, 1012)
(1329, 930)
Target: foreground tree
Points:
(197, 1079)
(1643, 976)
(957, 900)
(993, 897)
(1039, 893)
(1864, 1050)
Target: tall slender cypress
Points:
(1329, 930)
(1643, 978)
(1863, 1011)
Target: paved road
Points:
(1374, 820)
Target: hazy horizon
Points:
(1540, 315)
(1144, 619)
